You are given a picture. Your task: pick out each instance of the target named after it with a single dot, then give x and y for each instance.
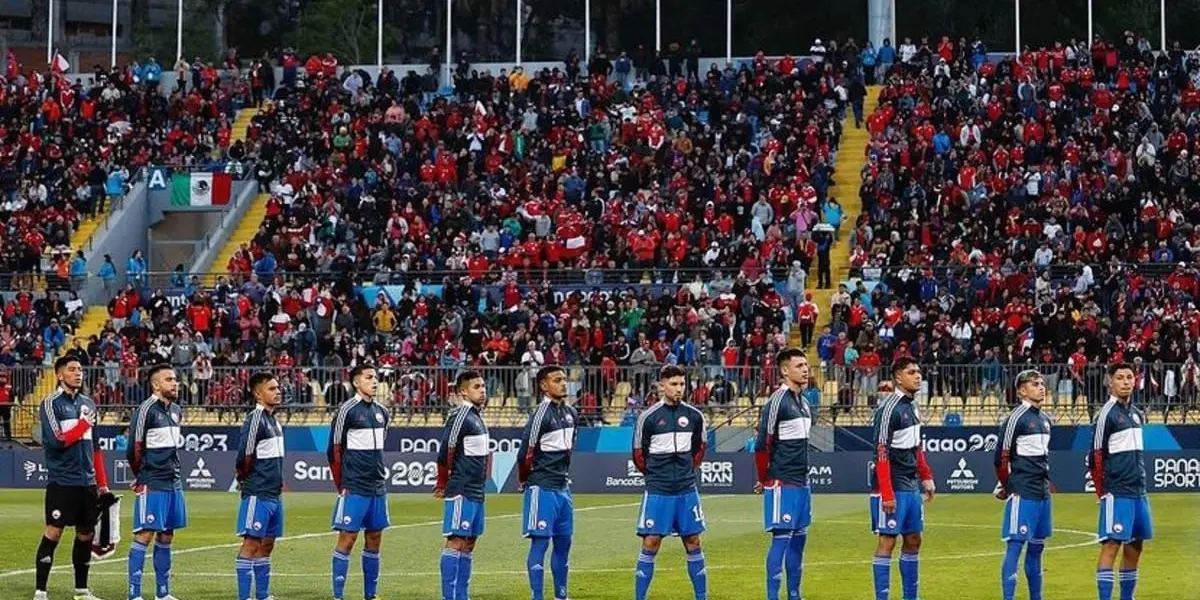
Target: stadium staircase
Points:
(851, 157)
(96, 317)
(255, 213)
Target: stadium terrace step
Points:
(92, 323)
(851, 157)
(241, 126)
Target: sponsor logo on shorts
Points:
(649, 523)
(1117, 527)
(257, 525)
(541, 524)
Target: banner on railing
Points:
(984, 439)
(835, 472)
(603, 440)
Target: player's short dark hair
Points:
(466, 377)
(783, 356)
(360, 369)
(156, 369)
(546, 372)
(669, 371)
(1027, 376)
(258, 379)
(63, 361)
(903, 363)
(1117, 366)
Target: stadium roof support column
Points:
(112, 59)
(449, 60)
(658, 26)
(179, 32)
(728, 32)
(1162, 8)
(587, 32)
(1017, 20)
(519, 10)
(881, 21)
(50, 32)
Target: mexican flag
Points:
(201, 189)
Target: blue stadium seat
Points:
(952, 420)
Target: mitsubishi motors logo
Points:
(200, 478)
(962, 479)
(962, 471)
(202, 471)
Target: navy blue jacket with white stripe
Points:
(356, 447)
(154, 450)
(546, 445)
(1117, 447)
(1023, 455)
(260, 455)
(668, 444)
(900, 464)
(464, 460)
(784, 424)
(71, 457)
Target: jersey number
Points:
(698, 514)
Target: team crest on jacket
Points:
(683, 421)
(378, 418)
(570, 420)
(175, 417)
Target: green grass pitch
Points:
(961, 558)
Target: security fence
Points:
(978, 394)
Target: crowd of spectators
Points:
(1036, 210)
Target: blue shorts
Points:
(357, 513)
(909, 517)
(260, 517)
(159, 511)
(671, 515)
(1124, 519)
(1026, 519)
(548, 513)
(786, 507)
(462, 518)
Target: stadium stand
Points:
(975, 207)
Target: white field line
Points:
(972, 555)
(305, 536)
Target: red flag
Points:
(60, 64)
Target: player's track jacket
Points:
(899, 458)
(356, 447)
(464, 460)
(546, 445)
(1023, 455)
(71, 458)
(154, 450)
(784, 424)
(1117, 447)
(668, 444)
(260, 455)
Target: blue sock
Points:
(464, 574)
(341, 570)
(162, 569)
(535, 565)
(1033, 568)
(262, 578)
(882, 568)
(370, 569)
(698, 572)
(775, 557)
(244, 567)
(1128, 583)
(643, 573)
(449, 566)
(910, 574)
(1104, 583)
(137, 561)
(560, 564)
(794, 563)
(1008, 571)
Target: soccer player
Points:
(897, 508)
(1120, 479)
(76, 476)
(158, 508)
(260, 479)
(668, 445)
(1023, 472)
(356, 461)
(463, 468)
(548, 511)
(781, 462)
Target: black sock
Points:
(43, 562)
(81, 557)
